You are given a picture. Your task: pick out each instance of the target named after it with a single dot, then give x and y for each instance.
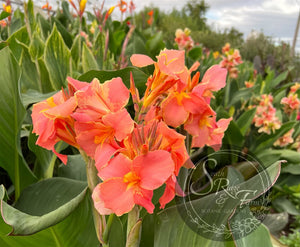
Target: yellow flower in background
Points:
(7, 8)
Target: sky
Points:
(276, 18)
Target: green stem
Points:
(227, 92)
(93, 180)
(49, 171)
(134, 226)
(107, 229)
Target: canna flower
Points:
(231, 58)
(3, 23)
(101, 119)
(122, 6)
(286, 139)
(47, 6)
(249, 84)
(216, 55)
(52, 122)
(148, 139)
(265, 117)
(131, 7)
(291, 102)
(150, 20)
(7, 8)
(129, 182)
(82, 4)
(183, 39)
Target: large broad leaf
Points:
(88, 59)
(29, 14)
(245, 120)
(12, 113)
(30, 78)
(57, 59)
(140, 78)
(3, 15)
(63, 199)
(172, 230)
(20, 36)
(36, 48)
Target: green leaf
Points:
(75, 230)
(88, 59)
(75, 50)
(260, 237)
(36, 48)
(3, 15)
(245, 120)
(20, 35)
(29, 14)
(195, 53)
(266, 141)
(57, 56)
(12, 114)
(3, 44)
(140, 78)
(170, 230)
(292, 169)
(67, 37)
(155, 44)
(44, 26)
(43, 204)
(240, 95)
(75, 168)
(283, 204)
(278, 79)
(42, 155)
(233, 135)
(98, 49)
(30, 77)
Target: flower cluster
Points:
(231, 59)
(265, 118)
(135, 157)
(183, 39)
(292, 102)
(286, 139)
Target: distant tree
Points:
(197, 9)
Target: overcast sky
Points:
(276, 18)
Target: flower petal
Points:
(173, 113)
(117, 167)
(140, 60)
(115, 196)
(154, 168)
(121, 122)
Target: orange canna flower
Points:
(122, 6)
(150, 20)
(47, 6)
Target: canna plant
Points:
(97, 156)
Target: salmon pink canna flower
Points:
(128, 182)
(52, 121)
(98, 99)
